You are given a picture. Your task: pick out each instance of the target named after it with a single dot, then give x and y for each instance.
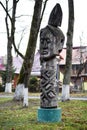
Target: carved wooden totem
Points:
(51, 44)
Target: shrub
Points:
(2, 88)
(34, 84)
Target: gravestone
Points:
(51, 44)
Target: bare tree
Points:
(68, 66)
(10, 27)
(29, 56)
(25, 72)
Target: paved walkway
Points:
(78, 98)
(38, 97)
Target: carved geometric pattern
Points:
(47, 86)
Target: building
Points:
(79, 58)
(79, 66)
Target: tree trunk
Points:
(8, 87)
(68, 66)
(29, 56)
(10, 38)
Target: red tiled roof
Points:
(76, 54)
(17, 64)
(2, 67)
(36, 64)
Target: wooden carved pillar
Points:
(51, 43)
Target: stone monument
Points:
(51, 44)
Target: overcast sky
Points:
(26, 7)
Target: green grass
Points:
(14, 117)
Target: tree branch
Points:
(13, 27)
(20, 54)
(6, 11)
(45, 2)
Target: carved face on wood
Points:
(51, 42)
(46, 46)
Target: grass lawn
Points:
(14, 117)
